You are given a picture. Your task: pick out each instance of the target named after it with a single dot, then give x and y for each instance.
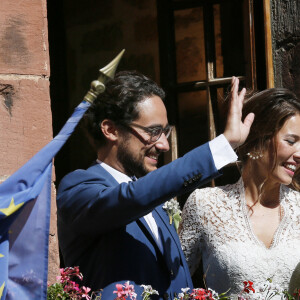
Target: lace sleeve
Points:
(190, 232)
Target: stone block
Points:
(25, 120)
(24, 38)
(287, 67)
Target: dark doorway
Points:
(159, 38)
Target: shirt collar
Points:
(117, 175)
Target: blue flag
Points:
(25, 199)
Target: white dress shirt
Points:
(121, 177)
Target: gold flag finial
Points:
(106, 73)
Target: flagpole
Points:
(106, 73)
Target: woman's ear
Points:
(109, 130)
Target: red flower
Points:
(71, 286)
(129, 290)
(67, 273)
(248, 286)
(124, 291)
(201, 294)
(120, 292)
(297, 294)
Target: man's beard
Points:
(133, 165)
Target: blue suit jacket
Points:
(101, 227)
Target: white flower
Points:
(266, 291)
(148, 290)
(146, 287)
(185, 290)
(172, 206)
(257, 296)
(173, 209)
(214, 294)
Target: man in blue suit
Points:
(113, 226)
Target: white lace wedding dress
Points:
(216, 228)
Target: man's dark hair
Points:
(119, 102)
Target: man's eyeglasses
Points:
(153, 132)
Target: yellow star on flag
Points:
(1, 255)
(11, 208)
(1, 289)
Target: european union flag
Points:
(24, 220)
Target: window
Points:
(202, 45)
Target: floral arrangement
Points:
(68, 289)
(201, 294)
(265, 291)
(173, 210)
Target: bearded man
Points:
(110, 217)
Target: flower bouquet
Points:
(67, 288)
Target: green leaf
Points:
(56, 291)
(176, 219)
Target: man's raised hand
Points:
(236, 131)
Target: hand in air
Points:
(236, 131)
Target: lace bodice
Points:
(216, 228)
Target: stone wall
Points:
(25, 113)
(286, 43)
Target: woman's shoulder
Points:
(215, 192)
(214, 195)
(290, 195)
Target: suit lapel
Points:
(163, 219)
(165, 229)
(142, 222)
(168, 231)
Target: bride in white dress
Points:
(251, 230)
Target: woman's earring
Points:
(255, 155)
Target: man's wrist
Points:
(222, 151)
(233, 142)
